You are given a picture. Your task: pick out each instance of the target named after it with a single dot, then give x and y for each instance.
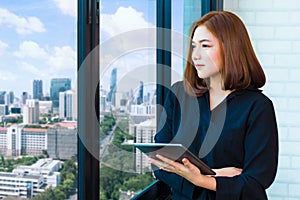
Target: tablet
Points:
(174, 152)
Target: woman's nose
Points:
(196, 54)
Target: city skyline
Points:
(36, 45)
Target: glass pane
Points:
(184, 13)
(38, 137)
(127, 95)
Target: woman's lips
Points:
(199, 66)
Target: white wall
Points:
(274, 28)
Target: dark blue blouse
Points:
(240, 132)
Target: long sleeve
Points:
(260, 157)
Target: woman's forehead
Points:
(202, 34)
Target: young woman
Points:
(219, 113)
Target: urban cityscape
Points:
(36, 124)
(38, 102)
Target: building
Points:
(31, 111)
(15, 110)
(45, 107)
(62, 143)
(58, 85)
(47, 167)
(68, 105)
(28, 181)
(24, 141)
(20, 185)
(11, 97)
(140, 96)
(33, 141)
(4, 109)
(13, 138)
(25, 96)
(2, 97)
(144, 133)
(143, 110)
(113, 87)
(37, 88)
(59, 142)
(3, 140)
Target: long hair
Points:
(241, 68)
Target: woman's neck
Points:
(216, 92)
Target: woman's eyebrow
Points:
(203, 40)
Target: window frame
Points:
(87, 41)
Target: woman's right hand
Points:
(228, 171)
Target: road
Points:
(104, 143)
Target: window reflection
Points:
(127, 95)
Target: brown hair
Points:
(241, 68)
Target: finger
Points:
(239, 169)
(166, 160)
(156, 162)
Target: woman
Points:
(232, 125)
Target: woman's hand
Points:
(228, 171)
(187, 170)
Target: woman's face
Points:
(206, 53)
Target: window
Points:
(38, 44)
(127, 92)
(111, 46)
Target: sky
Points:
(38, 40)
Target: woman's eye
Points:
(205, 45)
(193, 46)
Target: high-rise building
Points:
(102, 99)
(139, 100)
(58, 85)
(62, 143)
(68, 105)
(31, 111)
(24, 97)
(113, 87)
(2, 97)
(144, 133)
(37, 88)
(11, 97)
(13, 140)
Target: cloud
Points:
(32, 50)
(63, 58)
(22, 25)
(48, 61)
(29, 68)
(125, 19)
(7, 76)
(3, 46)
(67, 7)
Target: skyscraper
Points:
(58, 85)
(37, 89)
(68, 105)
(141, 93)
(2, 97)
(11, 97)
(113, 87)
(24, 97)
